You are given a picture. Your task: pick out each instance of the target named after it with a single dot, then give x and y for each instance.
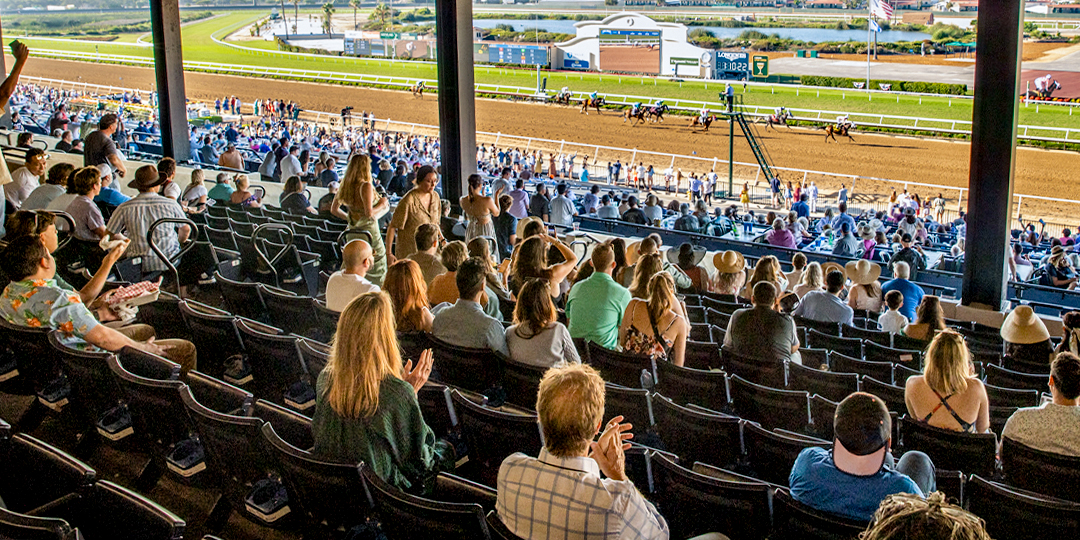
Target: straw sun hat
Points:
(829, 267)
(863, 272)
(729, 262)
(1023, 327)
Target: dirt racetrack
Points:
(910, 159)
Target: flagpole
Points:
(868, 15)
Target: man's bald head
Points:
(356, 257)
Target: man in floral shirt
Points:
(35, 299)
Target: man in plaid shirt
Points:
(560, 494)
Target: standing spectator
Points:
(948, 395)
(595, 306)
(826, 306)
(562, 208)
(760, 331)
(913, 294)
(842, 196)
(1053, 427)
(290, 164)
(465, 324)
(519, 208)
(25, 179)
(420, 205)
(865, 293)
(801, 208)
(100, 148)
(135, 217)
(537, 338)
(505, 228)
(774, 188)
(813, 197)
(938, 205)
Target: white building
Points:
(634, 43)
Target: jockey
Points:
(843, 121)
(593, 96)
(565, 92)
(635, 108)
(703, 115)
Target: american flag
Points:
(881, 8)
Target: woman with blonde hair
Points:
(948, 395)
(537, 338)
(907, 516)
(194, 197)
(357, 193)
(480, 210)
(647, 267)
(365, 402)
(767, 269)
(811, 280)
(656, 326)
(929, 319)
(241, 196)
(404, 282)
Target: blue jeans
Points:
(918, 467)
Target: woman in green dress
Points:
(357, 195)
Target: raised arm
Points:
(7, 88)
(563, 269)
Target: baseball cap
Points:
(862, 423)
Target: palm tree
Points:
(382, 13)
(284, 20)
(355, 4)
(328, 13)
(296, 14)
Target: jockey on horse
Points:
(843, 127)
(418, 90)
(594, 100)
(702, 119)
(563, 96)
(779, 117)
(636, 112)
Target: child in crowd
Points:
(892, 321)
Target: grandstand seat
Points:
(686, 385)
(291, 268)
(328, 251)
(214, 335)
(900, 341)
(696, 315)
(218, 395)
(892, 395)
(793, 519)
(243, 299)
(34, 473)
(1010, 397)
(273, 214)
(873, 336)
(220, 223)
(834, 386)
(521, 382)
(290, 425)
(402, 514)
(163, 315)
(972, 453)
(834, 344)
(108, 510)
(236, 456)
(842, 363)
(770, 407)
(326, 321)
(1012, 514)
(498, 528)
(27, 365)
(815, 358)
(623, 369)
(471, 369)
(289, 312)
(276, 366)
(771, 454)
(822, 412)
(1007, 378)
(721, 306)
(327, 494)
(717, 334)
(901, 373)
(315, 355)
(412, 344)
(700, 332)
(874, 352)
(438, 409)
(639, 466)
(1053, 475)
(456, 489)
(1022, 366)
(696, 434)
(702, 355)
(5, 434)
(24, 527)
(634, 404)
(241, 228)
(830, 328)
(257, 219)
(237, 215)
(492, 435)
(717, 318)
(93, 390)
(693, 503)
(768, 372)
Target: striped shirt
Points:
(565, 498)
(134, 219)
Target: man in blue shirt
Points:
(801, 208)
(843, 217)
(913, 294)
(851, 480)
(109, 194)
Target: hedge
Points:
(899, 86)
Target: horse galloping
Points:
(832, 130)
(638, 117)
(594, 103)
(774, 120)
(418, 90)
(656, 113)
(563, 99)
(696, 121)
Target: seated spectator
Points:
(640, 331)
(686, 221)
(865, 290)
(1070, 333)
(64, 144)
(766, 269)
(730, 276)
(1055, 426)
(349, 282)
(540, 205)
(846, 243)
(55, 185)
(27, 178)
(911, 254)
(651, 244)
(1018, 259)
(35, 298)
(242, 197)
(607, 210)
(1027, 340)
(930, 319)
(537, 338)
(595, 306)
(906, 516)
(867, 242)
(427, 255)
(851, 480)
(167, 169)
(826, 306)
(134, 218)
(633, 214)
(812, 279)
(221, 192)
(405, 284)
(89, 223)
(913, 293)
(892, 321)
(443, 288)
(654, 213)
(494, 286)
(591, 202)
(231, 158)
(780, 236)
(464, 323)
(531, 261)
(761, 331)
(293, 200)
(193, 198)
(798, 266)
(647, 267)
(1058, 268)
(688, 258)
(798, 227)
(365, 401)
(948, 395)
(326, 202)
(535, 493)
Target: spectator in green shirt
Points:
(595, 305)
(222, 191)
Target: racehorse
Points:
(563, 99)
(594, 103)
(656, 114)
(777, 120)
(638, 117)
(1044, 93)
(418, 90)
(831, 131)
(696, 121)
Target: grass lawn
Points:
(199, 47)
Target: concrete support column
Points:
(169, 68)
(457, 105)
(993, 152)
